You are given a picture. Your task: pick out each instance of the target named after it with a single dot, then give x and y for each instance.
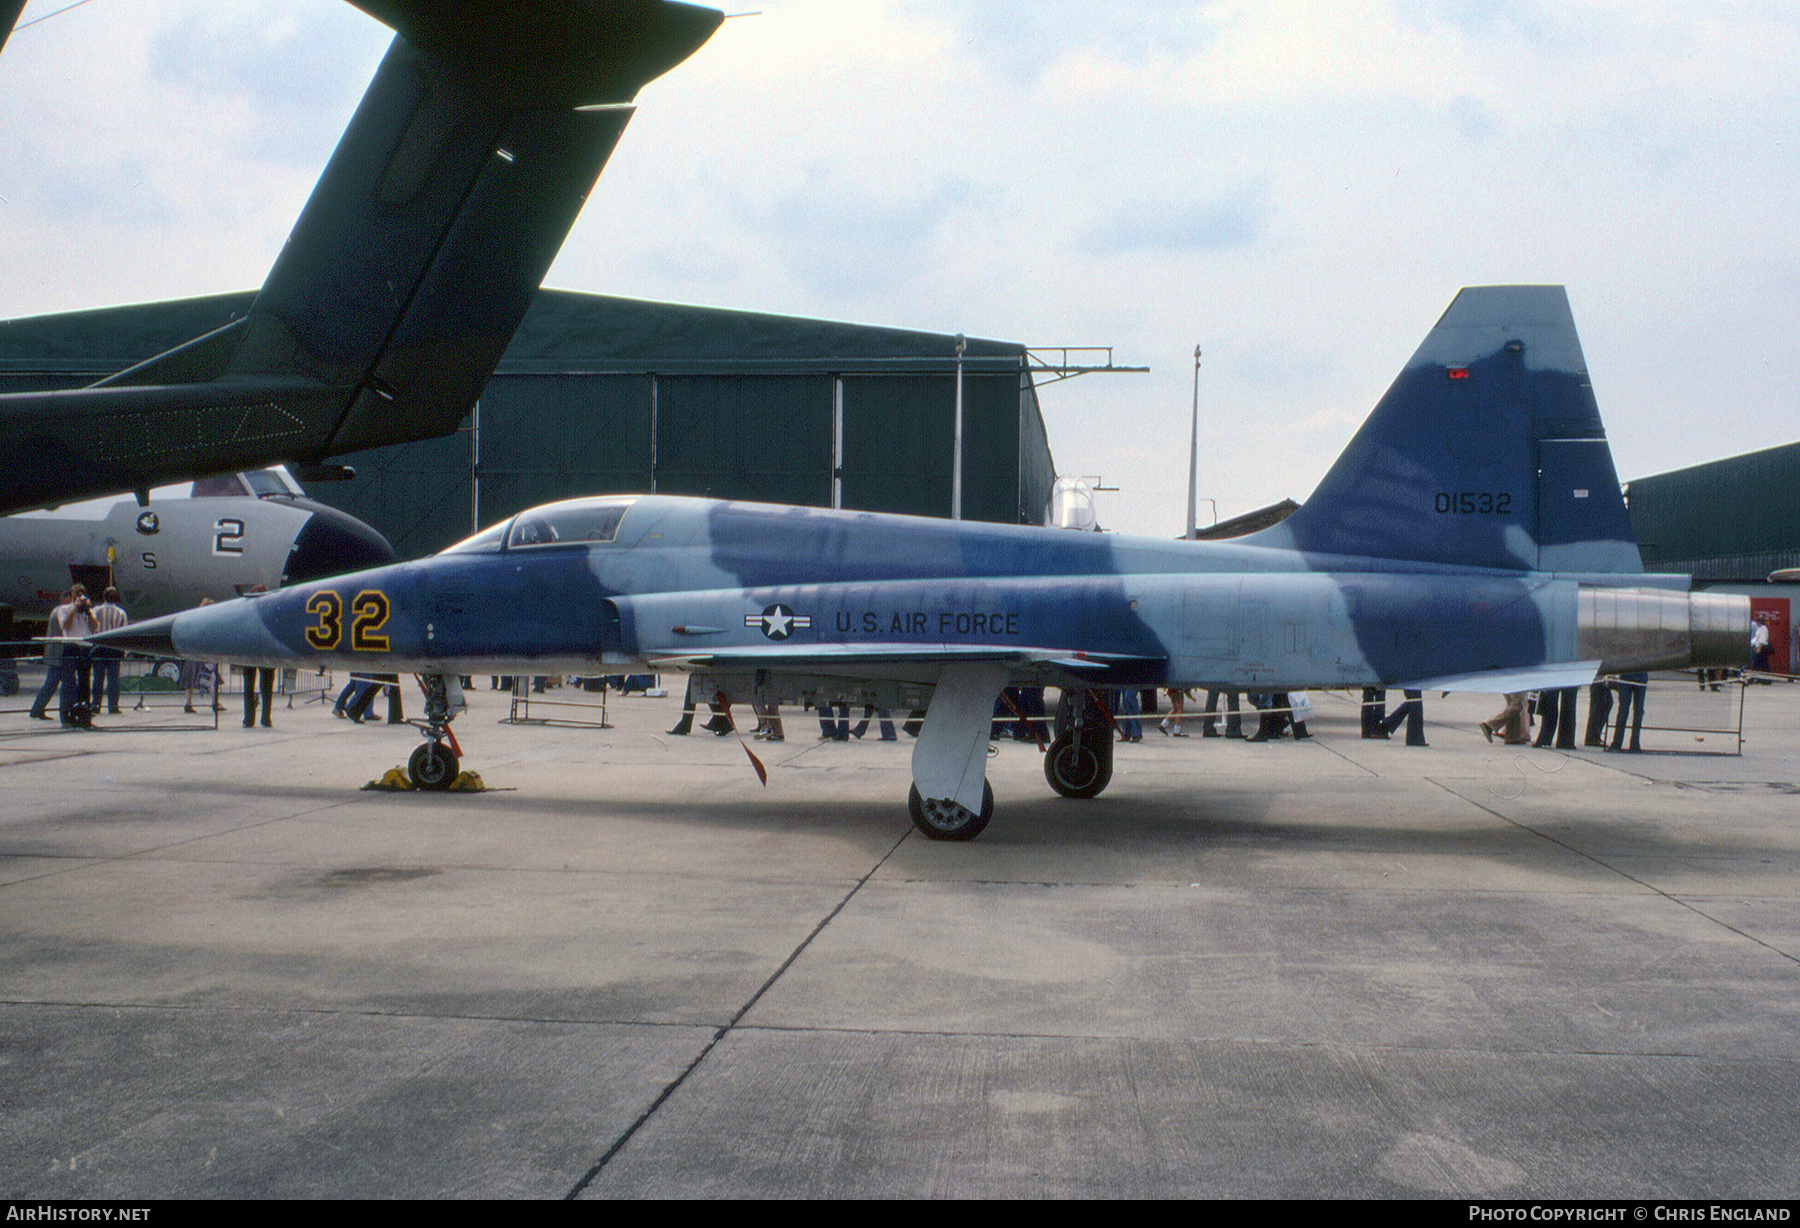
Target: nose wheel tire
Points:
(432, 766)
(1075, 768)
(943, 819)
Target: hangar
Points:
(1730, 523)
(598, 394)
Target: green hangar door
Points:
(763, 438)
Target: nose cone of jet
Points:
(153, 637)
(228, 631)
(333, 543)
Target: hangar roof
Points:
(1731, 519)
(562, 332)
(599, 332)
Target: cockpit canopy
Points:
(577, 522)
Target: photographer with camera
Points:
(70, 668)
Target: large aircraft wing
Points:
(9, 17)
(407, 272)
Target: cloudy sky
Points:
(1297, 187)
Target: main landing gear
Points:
(944, 819)
(433, 766)
(1079, 762)
(950, 755)
(949, 760)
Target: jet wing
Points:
(901, 661)
(57, 447)
(904, 631)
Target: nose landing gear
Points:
(1079, 762)
(433, 765)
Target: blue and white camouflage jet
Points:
(1471, 537)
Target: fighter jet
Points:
(406, 273)
(1471, 537)
(216, 538)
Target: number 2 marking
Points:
(370, 613)
(228, 536)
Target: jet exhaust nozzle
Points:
(1633, 629)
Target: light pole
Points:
(1193, 526)
(475, 468)
(956, 456)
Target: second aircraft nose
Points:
(332, 543)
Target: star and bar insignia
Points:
(778, 621)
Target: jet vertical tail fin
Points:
(1487, 451)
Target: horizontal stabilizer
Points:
(1507, 681)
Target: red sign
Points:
(1774, 611)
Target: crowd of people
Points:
(79, 678)
(82, 680)
(1616, 705)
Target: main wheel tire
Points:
(963, 826)
(1077, 768)
(432, 766)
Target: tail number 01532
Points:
(1473, 503)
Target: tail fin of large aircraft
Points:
(9, 17)
(407, 272)
(1487, 451)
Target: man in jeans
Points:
(72, 620)
(109, 615)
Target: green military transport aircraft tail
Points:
(408, 270)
